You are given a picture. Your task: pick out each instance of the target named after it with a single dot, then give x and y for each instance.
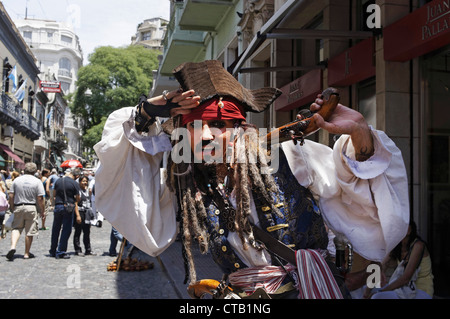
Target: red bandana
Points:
(215, 109)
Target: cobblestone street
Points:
(44, 277)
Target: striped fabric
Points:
(267, 277)
(313, 276)
(316, 280)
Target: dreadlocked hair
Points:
(192, 213)
(250, 161)
(189, 182)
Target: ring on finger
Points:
(164, 94)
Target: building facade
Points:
(390, 61)
(59, 55)
(150, 33)
(19, 82)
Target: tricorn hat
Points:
(209, 79)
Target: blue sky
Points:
(96, 22)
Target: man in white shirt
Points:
(358, 189)
(26, 192)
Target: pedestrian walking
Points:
(51, 186)
(4, 204)
(86, 214)
(45, 181)
(26, 193)
(66, 208)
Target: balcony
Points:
(11, 113)
(65, 73)
(204, 15)
(181, 45)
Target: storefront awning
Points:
(272, 29)
(11, 154)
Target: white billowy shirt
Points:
(366, 201)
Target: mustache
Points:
(208, 144)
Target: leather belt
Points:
(274, 245)
(25, 204)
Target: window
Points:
(50, 37)
(65, 87)
(64, 63)
(7, 67)
(367, 101)
(30, 100)
(27, 35)
(65, 67)
(146, 36)
(363, 14)
(66, 40)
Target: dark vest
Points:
(300, 224)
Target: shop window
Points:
(436, 142)
(367, 101)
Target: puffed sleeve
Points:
(129, 183)
(366, 201)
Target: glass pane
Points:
(437, 150)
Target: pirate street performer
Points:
(222, 189)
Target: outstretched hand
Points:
(345, 120)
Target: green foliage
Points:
(94, 134)
(114, 78)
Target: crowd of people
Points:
(32, 195)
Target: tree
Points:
(94, 134)
(114, 78)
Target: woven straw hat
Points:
(209, 79)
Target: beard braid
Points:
(187, 240)
(190, 184)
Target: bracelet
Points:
(141, 122)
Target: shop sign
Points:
(352, 65)
(50, 87)
(300, 91)
(422, 31)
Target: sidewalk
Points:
(173, 262)
(44, 277)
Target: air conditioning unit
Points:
(8, 131)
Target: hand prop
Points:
(299, 129)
